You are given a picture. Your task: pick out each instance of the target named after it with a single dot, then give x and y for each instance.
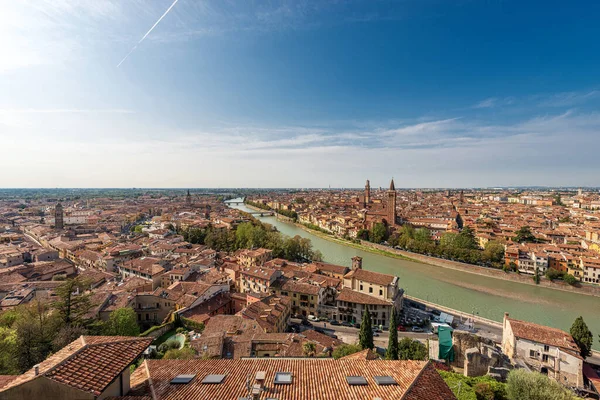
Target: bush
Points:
(180, 330)
(345, 350)
(186, 353)
(192, 325)
(152, 329)
(570, 279)
(553, 274)
(524, 385)
(484, 391)
(169, 345)
(476, 388)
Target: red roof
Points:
(314, 379)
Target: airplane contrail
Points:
(147, 33)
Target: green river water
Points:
(487, 297)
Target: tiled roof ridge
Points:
(89, 345)
(415, 380)
(71, 356)
(150, 384)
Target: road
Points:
(350, 335)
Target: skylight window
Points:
(356, 380)
(213, 379)
(385, 380)
(283, 378)
(182, 379)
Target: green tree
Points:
(582, 336)
(363, 234)
(138, 229)
(494, 251)
(35, 327)
(524, 235)
(186, 353)
(309, 349)
(466, 239)
(73, 303)
(378, 233)
(392, 350)
(423, 235)
(123, 322)
(524, 385)
(409, 349)
(570, 279)
(365, 336)
(8, 343)
(536, 277)
(345, 350)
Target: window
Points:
(546, 348)
(361, 288)
(356, 381)
(370, 290)
(532, 353)
(380, 292)
(283, 378)
(545, 358)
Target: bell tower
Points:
(367, 192)
(391, 204)
(58, 217)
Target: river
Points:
(485, 296)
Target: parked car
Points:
(375, 334)
(348, 324)
(334, 322)
(417, 329)
(312, 318)
(376, 329)
(401, 328)
(323, 319)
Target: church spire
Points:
(392, 186)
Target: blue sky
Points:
(299, 93)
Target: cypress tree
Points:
(582, 336)
(392, 351)
(365, 337)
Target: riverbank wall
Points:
(490, 272)
(464, 267)
(451, 311)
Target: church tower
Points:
(58, 217)
(391, 204)
(367, 193)
(188, 198)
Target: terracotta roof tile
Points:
(315, 379)
(90, 363)
(543, 334)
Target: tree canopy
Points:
(582, 336)
(524, 385)
(123, 322)
(524, 235)
(365, 336)
(392, 350)
(409, 349)
(345, 350)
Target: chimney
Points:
(256, 391)
(36, 369)
(260, 378)
(356, 263)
